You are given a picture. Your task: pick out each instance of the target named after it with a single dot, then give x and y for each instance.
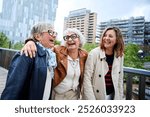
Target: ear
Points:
(37, 37)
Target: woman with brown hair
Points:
(103, 75)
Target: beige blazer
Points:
(96, 68)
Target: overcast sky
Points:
(105, 9)
(1, 5)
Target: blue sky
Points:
(105, 9)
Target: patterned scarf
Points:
(50, 58)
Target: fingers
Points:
(22, 51)
(26, 52)
(29, 49)
(52, 49)
(33, 50)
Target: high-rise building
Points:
(134, 29)
(147, 33)
(85, 21)
(18, 16)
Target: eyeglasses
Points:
(52, 33)
(73, 36)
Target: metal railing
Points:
(6, 56)
(141, 75)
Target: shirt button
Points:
(99, 75)
(101, 59)
(97, 91)
(119, 72)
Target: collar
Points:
(40, 50)
(102, 53)
(64, 52)
(69, 58)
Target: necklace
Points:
(74, 66)
(74, 63)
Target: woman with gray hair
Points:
(68, 75)
(30, 78)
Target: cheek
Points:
(64, 43)
(115, 41)
(78, 42)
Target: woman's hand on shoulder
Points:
(29, 49)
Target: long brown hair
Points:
(119, 46)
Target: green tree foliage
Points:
(57, 42)
(89, 46)
(18, 45)
(131, 56)
(4, 41)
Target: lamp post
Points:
(10, 44)
(141, 54)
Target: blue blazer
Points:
(26, 77)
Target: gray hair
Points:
(76, 31)
(41, 27)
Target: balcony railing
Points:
(142, 76)
(6, 56)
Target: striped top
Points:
(108, 78)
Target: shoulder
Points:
(40, 50)
(95, 51)
(83, 52)
(19, 59)
(59, 48)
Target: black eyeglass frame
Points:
(52, 33)
(72, 36)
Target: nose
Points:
(106, 37)
(69, 39)
(53, 36)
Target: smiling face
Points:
(72, 41)
(109, 39)
(46, 39)
(112, 41)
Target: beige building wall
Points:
(83, 20)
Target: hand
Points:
(52, 49)
(29, 49)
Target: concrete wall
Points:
(6, 56)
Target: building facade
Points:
(85, 21)
(147, 33)
(134, 30)
(18, 16)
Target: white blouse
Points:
(71, 81)
(48, 83)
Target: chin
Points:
(106, 46)
(51, 45)
(71, 48)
